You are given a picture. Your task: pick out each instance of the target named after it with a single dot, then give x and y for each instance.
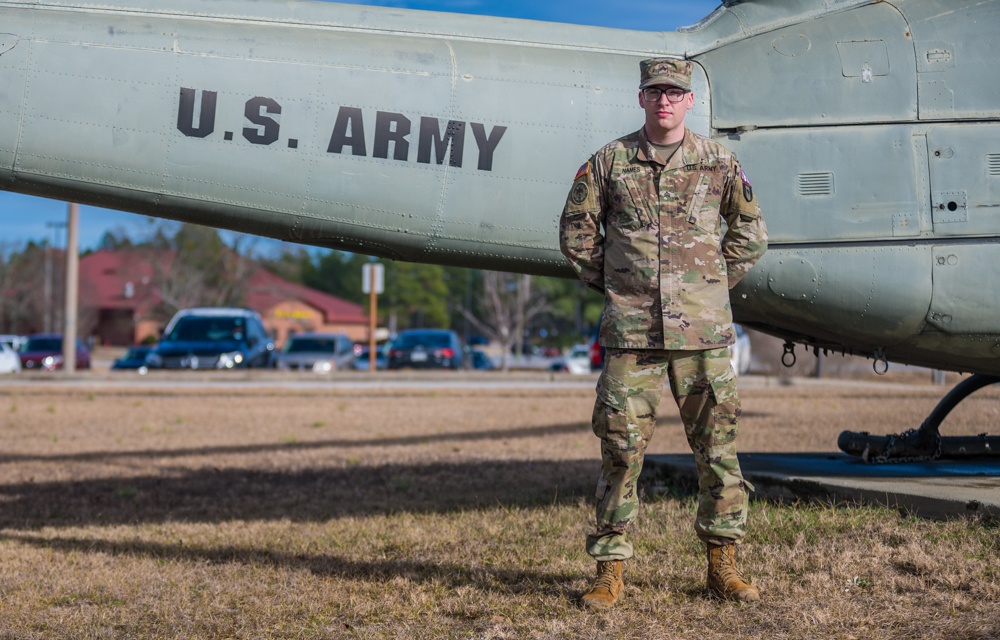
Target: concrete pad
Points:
(938, 489)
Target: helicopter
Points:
(870, 128)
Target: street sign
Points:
(372, 283)
(370, 271)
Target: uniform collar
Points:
(686, 154)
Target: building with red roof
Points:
(125, 291)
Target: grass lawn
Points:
(449, 513)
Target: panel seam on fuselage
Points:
(20, 116)
(392, 32)
(435, 231)
(884, 243)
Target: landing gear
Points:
(926, 443)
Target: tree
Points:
(507, 306)
(465, 286)
(115, 240)
(34, 298)
(416, 295)
(33, 284)
(288, 264)
(337, 273)
(203, 271)
(25, 289)
(573, 310)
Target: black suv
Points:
(213, 338)
(427, 348)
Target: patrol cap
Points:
(665, 71)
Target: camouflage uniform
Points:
(647, 233)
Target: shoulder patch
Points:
(583, 170)
(747, 189)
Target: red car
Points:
(596, 355)
(596, 350)
(43, 352)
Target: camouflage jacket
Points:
(648, 235)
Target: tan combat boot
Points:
(724, 579)
(608, 586)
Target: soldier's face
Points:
(663, 116)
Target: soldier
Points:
(642, 225)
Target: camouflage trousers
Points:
(704, 386)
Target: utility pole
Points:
(47, 316)
(51, 317)
(72, 287)
(372, 283)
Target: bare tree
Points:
(14, 303)
(32, 287)
(507, 306)
(198, 269)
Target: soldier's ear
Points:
(642, 101)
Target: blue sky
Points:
(24, 218)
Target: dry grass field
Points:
(265, 511)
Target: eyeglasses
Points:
(674, 95)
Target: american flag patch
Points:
(747, 189)
(584, 170)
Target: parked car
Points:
(9, 360)
(43, 352)
(596, 350)
(426, 348)
(480, 361)
(739, 351)
(213, 338)
(15, 342)
(134, 358)
(318, 352)
(362, 361)
(577, 361)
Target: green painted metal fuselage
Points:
(869, 130)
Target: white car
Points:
(15, 342)
(739, 351)
(577, 361)
(10, 362)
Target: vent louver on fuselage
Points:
(816, 184)
(993, 163)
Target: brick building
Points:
(120, 290)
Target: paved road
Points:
(401, 379)
(299, 380)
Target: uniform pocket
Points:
(612, 392)
(624, 416)
(701, 211)
(610, 421)
(628, 208)
(726, 412)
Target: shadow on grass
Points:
(490, 579)
(317, 495)
(418, 439)
(669, 421)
